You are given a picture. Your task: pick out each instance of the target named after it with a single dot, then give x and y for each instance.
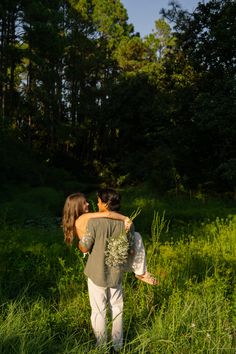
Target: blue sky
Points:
(143, 13)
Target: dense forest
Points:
(83, 95)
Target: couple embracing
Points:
(113, 247)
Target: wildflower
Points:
(193, 325)
(117, 251)
(119, 248)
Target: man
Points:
(105, 277)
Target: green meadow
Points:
(191, 247)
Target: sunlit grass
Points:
(43, 292)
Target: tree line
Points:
(84, 92)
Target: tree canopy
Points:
(82, 91)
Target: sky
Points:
(143, 13)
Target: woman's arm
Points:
(110, 215)
(81, 222)
(106, 214)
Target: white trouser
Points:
(137, 261)
(99, 297)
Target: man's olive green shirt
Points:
(98, 234)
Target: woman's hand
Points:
(128, 223)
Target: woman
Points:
(75, 217)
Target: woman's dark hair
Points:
(111, 197)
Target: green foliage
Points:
(132, 56)
(227, 174)
(111, 20)
(205, 44)
(44, 299)
(161, 40)
(159, 225)
(26, 205)
(21, 169)
(183, 210)
(97, 101)
(162, 175)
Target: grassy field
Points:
(191, 247)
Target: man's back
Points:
(100, 233)
(104, 278)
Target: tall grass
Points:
(44, 304)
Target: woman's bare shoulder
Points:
(84, 217)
